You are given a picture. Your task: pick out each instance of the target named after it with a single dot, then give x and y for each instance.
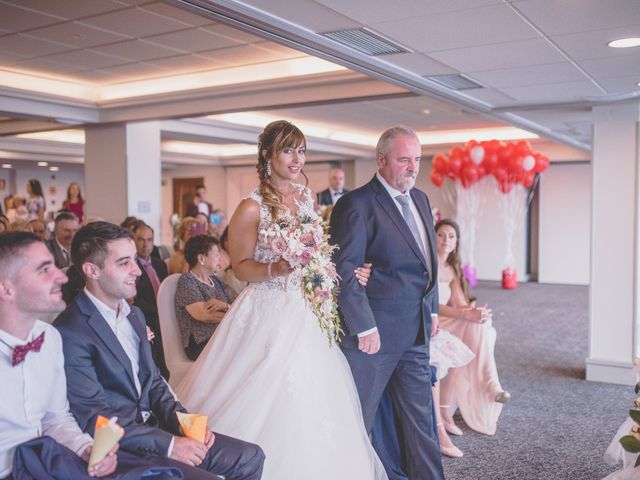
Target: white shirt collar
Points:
(392, 191)
(15, 341)
(106, 311)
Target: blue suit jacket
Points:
(100, 380)
(401, 295)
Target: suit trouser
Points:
(45, 459)
(408, 377)
(234, 459)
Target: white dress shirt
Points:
(334, 195)
(123, 330)
(34, 397)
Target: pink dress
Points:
(472, 387)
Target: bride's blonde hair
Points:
(274, 138)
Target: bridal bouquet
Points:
(303, 241)
(631, 442)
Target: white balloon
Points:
(528, 163)
(477, 154)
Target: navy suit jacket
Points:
(100, 380)
(325, 198)
(401, 294)
(145, 297)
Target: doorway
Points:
(184, 190)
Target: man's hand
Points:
(104, 467)
(363, 273)
(209, 438)
(189, 451)
(435, 325)
(370, 343)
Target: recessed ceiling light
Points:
(54, 169)
(6, 165)
(43, 164)
(426, 111)
(625, 42)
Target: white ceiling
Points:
(541, 63)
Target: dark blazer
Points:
(100, 380)
(325, 198)
(401, 295)
(58, 257)
(146, 301)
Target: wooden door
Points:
(183, 190)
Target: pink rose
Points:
(320, 295)
(307, 239)
(305, 256)
(278, 245)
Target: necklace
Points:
(208, 282)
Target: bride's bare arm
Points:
(243, 236)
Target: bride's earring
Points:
(268, 168)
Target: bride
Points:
(269, 375)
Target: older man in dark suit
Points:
(388, 324)
(336, 188)
(110, 370)
(66, 226)
(154, 271)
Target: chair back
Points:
(177, 361)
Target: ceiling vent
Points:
(454, 81)
(365, 41)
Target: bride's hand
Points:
(280, 268)
(363, 273)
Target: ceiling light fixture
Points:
(65, 136)
(54, 169)
(625, 42)
(43, 164)
(208, 149)
(6, 165)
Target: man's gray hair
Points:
(382, 148)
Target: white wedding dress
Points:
(269, 376)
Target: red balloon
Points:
(528, 178)
(437, 178)
(490, 161)
(515, 165)
(455, 164)
(542, 162)
(481, 171)
(440, 164)
(456, 152)
(505, 187)
(523, 148)
(500, 174)
(469, 173)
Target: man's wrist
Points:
(367, 332)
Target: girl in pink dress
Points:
(475, 387)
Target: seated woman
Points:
(474, 387)
(202, 299)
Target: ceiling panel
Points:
(623, 84)
(177, 14)
(17, 19)
(282, 51)
(593, 44)
(557, 17)
(52, 68)
(186, 63)
(530, 75)
(137, 50)
(234, 34)
(132, 71)
(446, 31)
(493, 97)
(76, 34)
(614, 66)
(134, 23)
(8, 57)
(192, 40)
(87, 59)
(503, 55)
(392, 10)
(242, 55)
(556, 92)
(28, 46)
(68, 9)
(417, 63)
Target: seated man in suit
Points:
(336, 188)
(65, 227)
(110, 370)
(40, 437)
(154, 271)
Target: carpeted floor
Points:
(556, 426)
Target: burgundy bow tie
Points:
(20, 351)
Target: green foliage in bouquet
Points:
(631, 442)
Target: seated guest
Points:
(4, 223)
(202, 299)
(39, 229)
(32, 364)
(110, 369)
(188, 227)
(65, 227)
(154, 271)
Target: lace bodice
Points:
(264, 253)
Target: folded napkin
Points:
(193, 425)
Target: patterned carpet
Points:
(557, 426)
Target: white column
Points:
(613, 312)
(123, 172)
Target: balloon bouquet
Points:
(515, 167)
